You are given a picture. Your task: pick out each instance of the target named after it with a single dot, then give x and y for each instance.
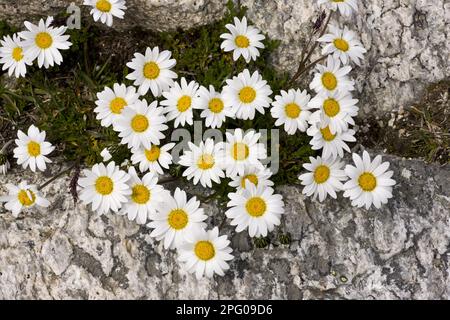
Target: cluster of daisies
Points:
(40, 42)
(177, 221)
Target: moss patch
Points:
(419, 131)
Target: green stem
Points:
(42, 186)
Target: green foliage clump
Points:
(61, 99)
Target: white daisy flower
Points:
(23, 196)
(255, 208)
(242, 151)
(246, 93)
(345, 7)
(105, 10)
(105, 187)
(324, 178)
(12, 56)
(153, 159)
(252, 175)
(343, 44)
(152, 71)
(206, 253)
(332, 77)
(177, 219)
(336, 110)
(291, 110)
(180, 100)
(213, 107)
(141, 124)
(145, 194)
(203, 163)
(106, 155)
(333, 145)
(370, 182)
(243, 40)
(32, 149)
(44, 42)
(111, 103)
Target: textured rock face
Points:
(337, 251)
(407, 41)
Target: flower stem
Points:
(42, 186)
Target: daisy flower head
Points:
(246, 94)
(203, 163)
(206, 253)
(23, 196)
(152, 71)
(252, 175)
(105, 10)
(324, 178)
(335, 110)
(345, 7)
(153, 159)
(343, 44)
(32, 149)
(180, 100)
(291, 110)
(256, 208)
(44, 42)
(141, 124)
(241, 151)
(370, 182)
(177, 219)
(111, 103)
(332, 145)
(145, 194)
(243, 40)
(332, 77)
(105, 187)
(213, 107)
(12, 56)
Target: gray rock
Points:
(337, 251)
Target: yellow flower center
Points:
(151, 70)
(242, 41)
(216, 105)
(140, 194)
(326, 134)
(103, 5)
(247, 95)
(117, 104)
(256, 206)
(341, 44)
(240, 151)
(178, 219)
(253, 178)
(321, 174)
(204, 250)
(153, 153)
(184, 103)
(104, 185)
(331, 107)
(34, 148)
(17, 54)
(26, 197)
(292, 110)
(329, 81)
(205, 161)
(367, 181)
(139, 123)
(44, 40)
